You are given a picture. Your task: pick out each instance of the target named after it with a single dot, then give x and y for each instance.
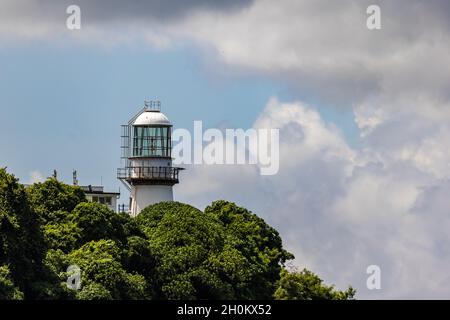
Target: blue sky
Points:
(62, 105)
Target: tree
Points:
(183, 238)
(21, 242)
(94, 291)
(305, 285)
(52, 195)
(258, 242)
(225, 252)
(137, 257)
(62, 235)
(170, 251)
(95, 222)
(56, 263)
(101, 271)
(8, 291)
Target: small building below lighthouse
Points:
(147, 157)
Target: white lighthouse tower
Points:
(146, 152)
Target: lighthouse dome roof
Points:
(151, 118)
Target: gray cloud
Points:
(324, 49)
(340, 209)
(104, 22)
(106, 11)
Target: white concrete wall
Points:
(113, 205)
(144, 195)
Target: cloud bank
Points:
(340, 209)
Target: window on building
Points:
(152, 141)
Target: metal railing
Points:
(169, 174)
(123, 208)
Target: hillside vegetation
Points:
(170, 251)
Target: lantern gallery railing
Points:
(156, 174)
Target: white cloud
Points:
(325, 49)
(36, 176)
(341, 209)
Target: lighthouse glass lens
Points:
(151, 141)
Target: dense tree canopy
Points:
(21, 242)
(259, 245)
(53, 196)
(102, 271)
(170, 251)
(8, 291)
(188, 245)
(305, 285)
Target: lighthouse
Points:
(147, 169)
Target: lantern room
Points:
(151, 136)
(146, 152)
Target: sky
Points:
(364, 116)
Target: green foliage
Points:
(50, 290)
(225, 252)
(7, 289)
(50, 284)
(21, 243)
(100, 265)
(125, 226)
(94, 221)
(170, 251)
(94, 291)
(305, 285)
(182, 238)
(137, 256)
(63, 235)
(258, 243)
(52, 195)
